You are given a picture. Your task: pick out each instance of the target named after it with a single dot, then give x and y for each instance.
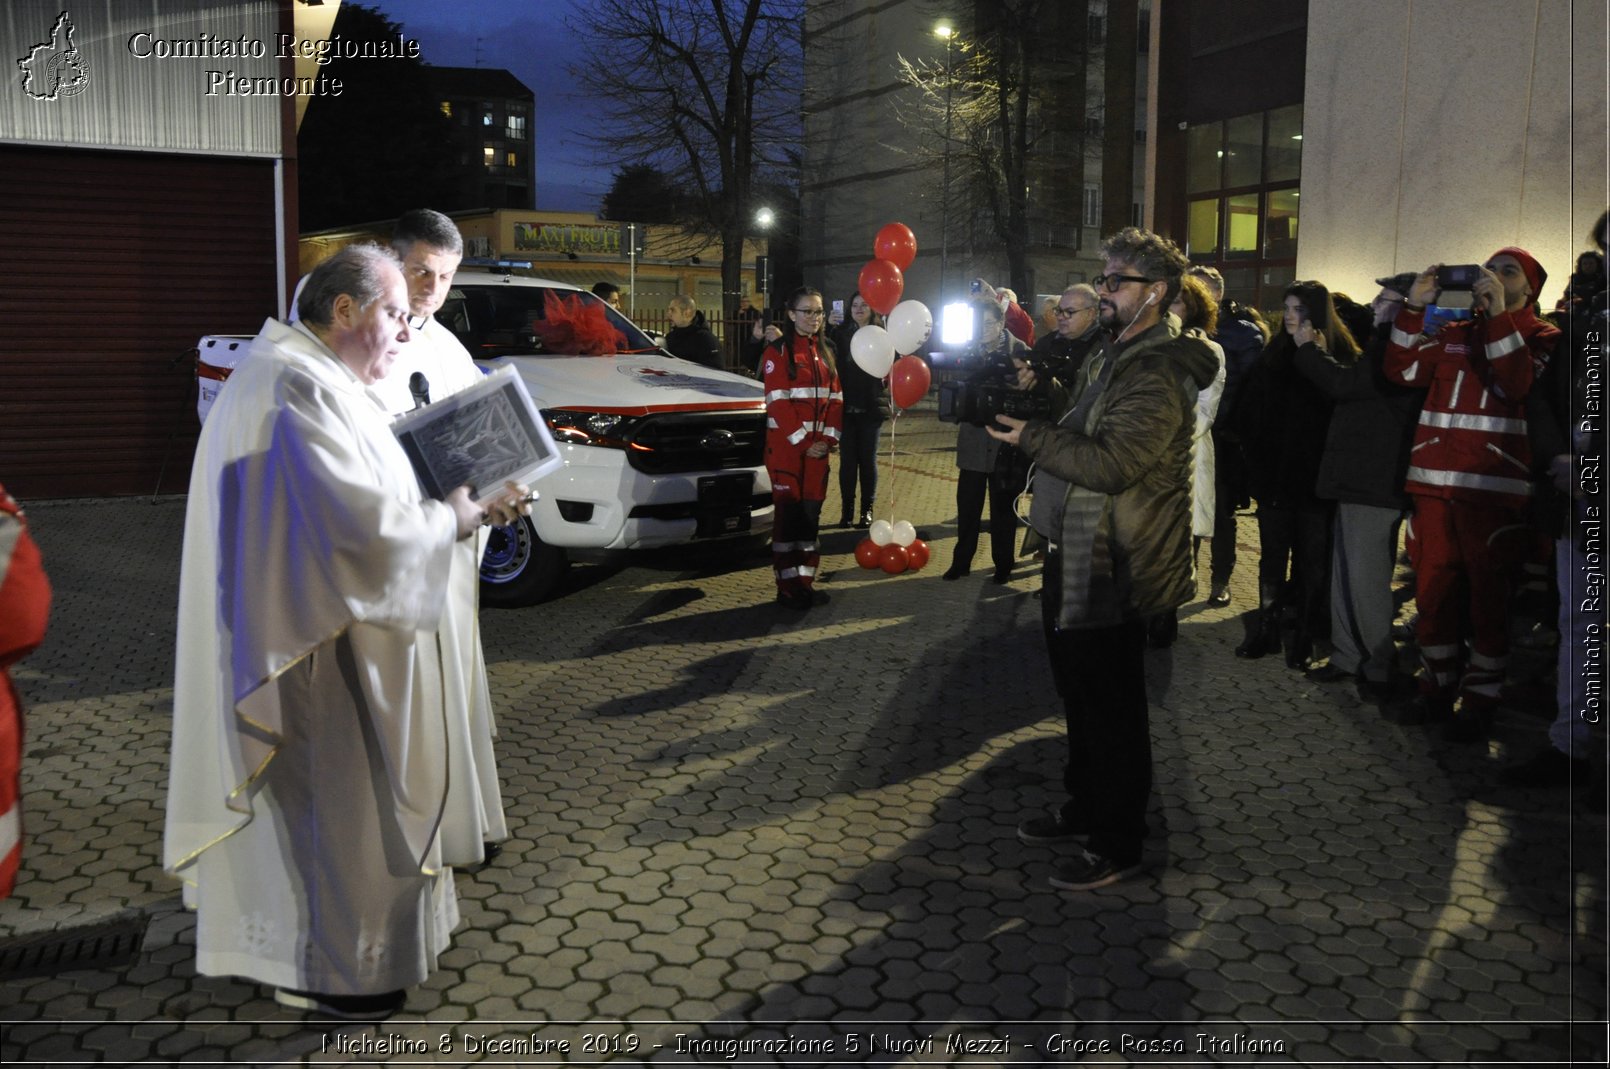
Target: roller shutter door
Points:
(114, 264)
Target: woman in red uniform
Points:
(804, 411)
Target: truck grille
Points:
(698, 441)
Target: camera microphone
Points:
(419, 386)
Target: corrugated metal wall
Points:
(112, 265)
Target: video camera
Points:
(979, 403)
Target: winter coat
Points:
(1283, 419)
(975, 449)
(1066, 355)
(695, 342)
(1471, 443)
(1242, 343)
(1204, 495)
(804, 403)
(1125, 533)
(1371, 426)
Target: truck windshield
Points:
(499, 319)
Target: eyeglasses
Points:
(1111, 283)
(814, 313)
(417, 322)
(1066, 313)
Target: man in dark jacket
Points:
(1241, 335)
(1362, 469)
(1063, 352)
(689, 338)
(1113, 498)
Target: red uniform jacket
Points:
(1471, 442)
(802, 407)
(24, 605)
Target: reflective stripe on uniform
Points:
(1502, 347)
(798, 436)
(1404, 341)
(1470, 481)
(1461, 421)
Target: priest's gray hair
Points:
(360, 271)
(425, 226)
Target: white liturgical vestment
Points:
(474, 801)
(310, 773)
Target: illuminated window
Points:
(1241, 179)
(510, 159)
(447, 108)
(491, 155)
(517, 127)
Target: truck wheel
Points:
(518, 568)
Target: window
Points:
(490, 156)
(516, 127)
(1242, 199)
(511, 159)
(447, 108)
(1092, 205)
(486, 117)
(1097, 31)
(1093, 124)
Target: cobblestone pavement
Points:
(737, 829)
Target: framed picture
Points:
(482, 436)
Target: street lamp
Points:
(948, 32)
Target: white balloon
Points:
(904, 533)
(872, 350)
(910, 324)
(881, 531)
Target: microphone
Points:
(419, 386)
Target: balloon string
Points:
(894, 423)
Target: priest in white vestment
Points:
(429, 245)
(310, 754)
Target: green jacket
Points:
(1126, 521)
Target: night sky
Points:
(530, 40)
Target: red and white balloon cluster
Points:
(873, 348)
(894, 547)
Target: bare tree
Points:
(1012, 97)
(706, 91)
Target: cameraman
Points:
(1469, 474)
(1112, 496)
(985, 462)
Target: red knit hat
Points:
(1529, 266)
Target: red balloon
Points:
(897, 244)
(868, 554)
(917, 555)
(908, 381)
(881, 283)
(893, 558)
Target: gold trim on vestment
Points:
(256, 773)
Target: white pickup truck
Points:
(658, 451)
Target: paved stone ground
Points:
(734, 825)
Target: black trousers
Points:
(1301, 535)
(858, 456)
(1100, 672)
(1230, 492)
(1003, 490)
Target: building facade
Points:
(864, 166)
(494, 140)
